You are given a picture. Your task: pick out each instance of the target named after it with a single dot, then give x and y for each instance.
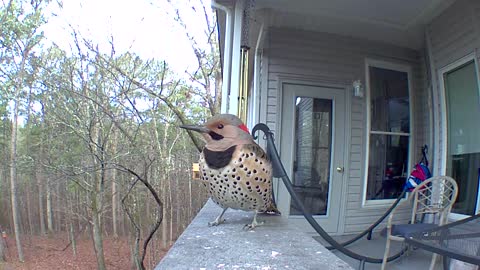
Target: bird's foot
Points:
(252, 226)
(219, 220)
(216, 222)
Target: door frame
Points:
(442, 138)
(327, 83)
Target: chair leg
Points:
(434, 260)
(385, 255)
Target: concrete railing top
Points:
(275, 245)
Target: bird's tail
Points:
(272, 209)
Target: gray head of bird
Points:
(222, 131)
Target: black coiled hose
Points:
(279, 172)
(373, 226)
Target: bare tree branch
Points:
(159, 217)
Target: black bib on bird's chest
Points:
(218, 159)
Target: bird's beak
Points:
(200, 129)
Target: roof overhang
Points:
(399, 22)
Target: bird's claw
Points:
(249, 227)
(216, 222)
(252, 226)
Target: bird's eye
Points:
(220, 126)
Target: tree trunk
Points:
(114, 190)
(170, 200)
(72, 237)
(41, 210)
(97, 228)
(123, 224)
(163, 186)
(70, 197)
(31, 175)
(97, 198)
(165, 214)
(39, 174)
(114, 206)
(190, 199)
(76, 208)
(98, 241)
(31, 228)
(13, 182)
(136, 264)
(58, 210)
(49, 208)
(3, 252)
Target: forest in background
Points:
(90, 139)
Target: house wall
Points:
(452, 35)
(329, 58)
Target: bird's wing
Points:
(257, 151)
(258, 169)
(260, 153)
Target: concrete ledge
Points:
(275, 245)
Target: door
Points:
(312, 149)
(463, 133)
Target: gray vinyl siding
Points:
(335, 59)
(453, 34)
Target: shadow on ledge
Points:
(275, 245)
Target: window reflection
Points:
(389, 133)
(313, 131)
(389, 100)
(388, 163)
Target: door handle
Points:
(340, 169)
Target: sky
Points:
(145, 27)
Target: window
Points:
(463, 149)
(311, 178)
(389, 134)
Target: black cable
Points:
(279, 171)
(373, 226)
(389, 210)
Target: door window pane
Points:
(463, 125)
(389, 133)
(313, 131)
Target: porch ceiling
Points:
(400, 22)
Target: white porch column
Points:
(254, 116)
(227, 54)
(230, 103)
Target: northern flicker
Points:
(235, 170)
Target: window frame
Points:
(395, 67)
(442, 139)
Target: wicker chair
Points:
(435, 197)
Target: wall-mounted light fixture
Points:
(357, 89)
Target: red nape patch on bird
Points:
(244, 128)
